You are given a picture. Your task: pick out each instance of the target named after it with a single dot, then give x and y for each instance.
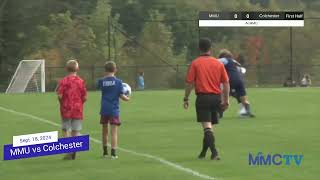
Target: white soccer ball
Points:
(126, 89)
(243, 70)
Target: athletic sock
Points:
(73, 155)
(210, 140)
(204, 148)
(247, 107)
(105, 150)
(113, 152)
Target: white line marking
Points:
(161, 160)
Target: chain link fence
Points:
(164, 77)
(271, 55)
(155, 76)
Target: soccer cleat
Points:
(67, 157)
(202, 155)
(73, 156)
(215, 157)
(105, 156)
(114, 157)
(247, 115)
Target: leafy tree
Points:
(71, 37)
(157, 50)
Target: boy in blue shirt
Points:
(112, 89)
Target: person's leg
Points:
(205, 145)
(114, 140)
(242, 95)
(208, 129)
(76, 126)
(202, 115)
(75, 133)
(105, 139)
(65, 127)
(246, 104)
(205, 106)
(65, 133)
(104, 121)
(209, 140)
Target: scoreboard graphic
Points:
(251, 19)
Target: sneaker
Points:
(114, 157)
(67, 157)
(73, 156)
(215, 157)
(247, 115)
(202, 155)
(252, 115)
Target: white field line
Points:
(159, 159)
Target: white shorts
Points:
(71, 124)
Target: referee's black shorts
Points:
(207, 107)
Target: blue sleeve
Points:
(224, 61)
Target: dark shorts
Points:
(113, 120)
(207, 107)
(237, 90)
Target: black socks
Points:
(113, 152)
(204, 149)
(105, 150)
(208, 142)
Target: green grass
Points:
(155, 123)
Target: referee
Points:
(206, 74)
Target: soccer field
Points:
(160, 140)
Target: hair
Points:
(110, 66)
(72, 65)
(225, 53)
(205, 44)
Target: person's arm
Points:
(225, 95)
(59, 90)
(225, 89)
(84, 92)
(189, 85)
(59, 97)
(187, 93)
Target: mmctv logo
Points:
(275, 159)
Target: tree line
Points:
(144, 32)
